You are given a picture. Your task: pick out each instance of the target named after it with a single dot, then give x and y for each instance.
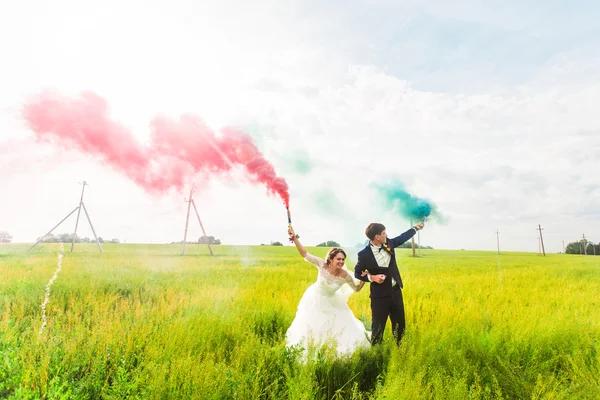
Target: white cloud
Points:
(504, 156)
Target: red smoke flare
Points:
(177, 149)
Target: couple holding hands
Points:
(323, 313)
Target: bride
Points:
(323, 314)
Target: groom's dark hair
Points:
(374, 229)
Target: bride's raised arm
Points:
(294, 238)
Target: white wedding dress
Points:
(323, 314)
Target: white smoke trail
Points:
(50, 282)
(499, 270)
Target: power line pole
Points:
(187, 221)
(78, 209)
(84, 183)
(498, 240)
(541, 239)
(202, 227)
(563, 242)
(413, 240)
(584, 245)
(191, 203)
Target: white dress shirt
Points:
(383, 259)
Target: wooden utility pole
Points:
(498, 240)
(541, 239)
(413, 240)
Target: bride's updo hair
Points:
(332, 253)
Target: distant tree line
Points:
(333, 243)
(329, 243)
(405, 245)
(5, 237)
(68, 238)
(272, 244)
(202, 240)
(408, 245)
(208, 240)
(581, 247)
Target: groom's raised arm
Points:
(398, 240)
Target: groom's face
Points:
(382, 237)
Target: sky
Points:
(489, 111)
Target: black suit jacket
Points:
(366, 261)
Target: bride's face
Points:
(338, 260)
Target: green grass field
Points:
(141, 321)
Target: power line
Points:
(541, 239)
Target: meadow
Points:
(143, 322)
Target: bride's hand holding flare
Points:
(293, 236)
(294, 239)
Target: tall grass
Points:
(141, 321)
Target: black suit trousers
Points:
(391, 307)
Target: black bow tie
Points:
(379, 248)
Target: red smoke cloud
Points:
(177, 149)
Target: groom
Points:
(378, 259)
